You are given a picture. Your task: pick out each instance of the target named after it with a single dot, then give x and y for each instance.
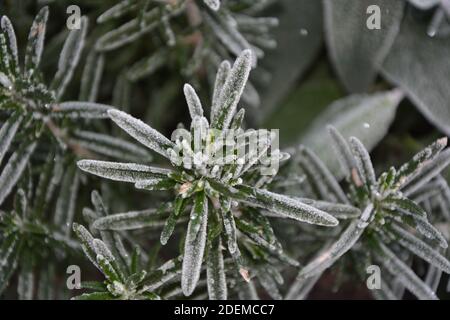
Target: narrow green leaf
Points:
(35, 43)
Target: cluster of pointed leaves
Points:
(216, 194)
(217, 32)
(127, 277)
(36, 232)
(32, 108)
(390, 217)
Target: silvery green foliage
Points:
(208, 187)
(424, 53)
(389, 214)
(219, 33)
(28, 237)
(358, 58)
(127, 276)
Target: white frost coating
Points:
(194, 250)
(36, 38)
(117, 11)
(428, 172)
(100, 248)
(345, 154)
(66, 203)
(215, 272)
(193, 101)
(326, 258)
(69, 57)
(111, 146)
(14, 169)
(141, 132)
(91, 77)
(292, 208)
(75, 109)
(421, 249)
(232, 90)
(11, 37)
(117, 171)
(213, 4)
(405, 275)
(7, 133)
(5, 82)
(128, 220)
(221, 77)
(363, 162)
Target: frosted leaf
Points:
(343, 149)
(194, 250)
(9, 254)
(87, 242)
(117, 10)
(363, 162)
(67, 199)
(429, 231)
(128, 32)
(405, 206)
(238, 119)
(215, 272)
(128, 172)
(141, 132)
(321, 177)
(165, 273)
(291, 208)
(230, 230)
(433, 278)
(199, 209)
(300, 288)
(5, 82)
(11, 40)
(269, 285)
(91, 77)
(69, 58)
(420, 248)
(411, 169)
(106, 267)
(100, 248)
(14, 168)
(213, 4)
(35, 43)
(337, 210)
(7, 133)
(129, 220)
(326, 258)
(193, 101)
(221, 77)
(147, 66)
(405, 275)
(25, 285)
(111, 146)
(232, 91)
(428, 172)
(75, 109)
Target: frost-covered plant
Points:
(206, 31)
(439, 24)
(35, 236)
(391, 218)
(214, 191)
(126, 276)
